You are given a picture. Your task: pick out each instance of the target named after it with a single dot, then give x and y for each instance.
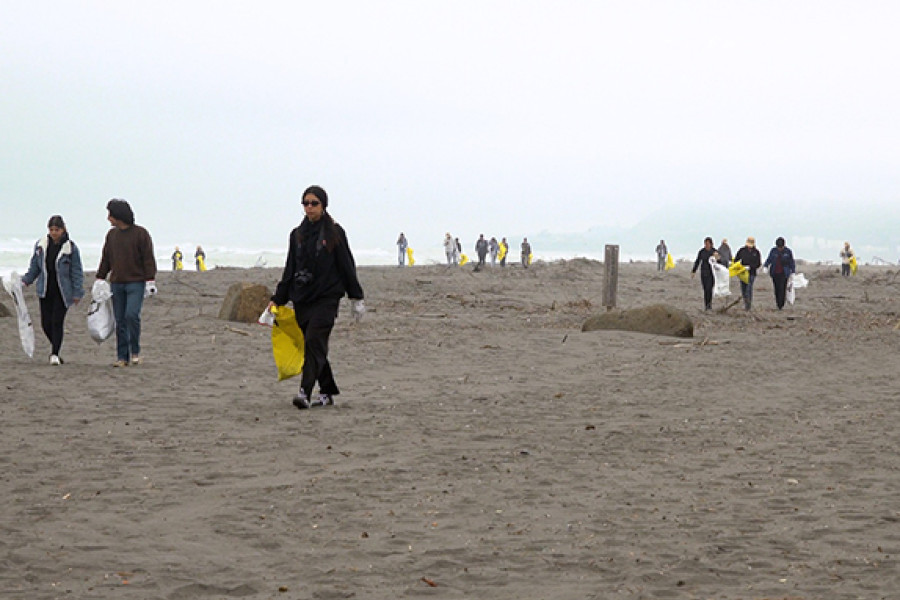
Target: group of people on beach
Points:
(128, 261)
(318, 272)
(199, 259)
(779, 263)
(498, 251)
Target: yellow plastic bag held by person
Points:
(287, 343)
(409, 256)
(670, 262)
(530, 257)
(201, 262)
(853, 265)
(501, 252)
(736, 269)
(463, 259)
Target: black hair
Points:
(56, 221)
(121, 210)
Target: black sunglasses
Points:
(310, 202)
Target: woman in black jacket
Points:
(706, 274)
(318, 271)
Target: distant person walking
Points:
(707, 279)
(402, 245)
(526, 253)
(56, 266)
(318, 272)
(780, 263)
(200, 259)
(481, 249)
(846, 257)
(494, 247)
(450, 249)
(177, 259)
(724, 253)
(457, 257)
(504, 251)
(661, 253)
(127, 258)
(749, 256)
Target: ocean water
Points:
(16, 252)
(15, 255)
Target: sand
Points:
(483, 446)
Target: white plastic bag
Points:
(720, 274)
(13, 285)
(795, 281)
(101, 320)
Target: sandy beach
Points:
(482, 446)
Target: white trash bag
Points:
(795, 282)
(720, 274)
(13, 285)
(101, 320)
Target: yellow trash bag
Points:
(736, 269)
(670, 262)
(287, 343)
(409, 256)
(201, 263)
(530, 257)
(501, 253)
(463, 259)
(853, 265)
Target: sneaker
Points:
(135, 360)
(54, 360)
(120, 363)
(326, 400)
(301, 401)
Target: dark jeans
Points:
(53, 316)
(845, 270)
(128, 299)
(708, 281)
(747, 291)
(779, 282)
(316, 321)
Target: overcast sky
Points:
(424, 116)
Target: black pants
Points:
(747, 291)
(779, 282)
(53, 316)
(316, 321)
(708, 281)
(845, 270)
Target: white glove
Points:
(358, 308)
(267, 318)
(150, 289)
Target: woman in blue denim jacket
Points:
(56, 266)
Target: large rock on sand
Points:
(658, 319)
(244, 302)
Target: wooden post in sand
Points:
(610, 276)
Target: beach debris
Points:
(430, 582)
(235, 330)
(659, 319)
(244, 302)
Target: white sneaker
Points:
(54, 360)
(325, 399)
